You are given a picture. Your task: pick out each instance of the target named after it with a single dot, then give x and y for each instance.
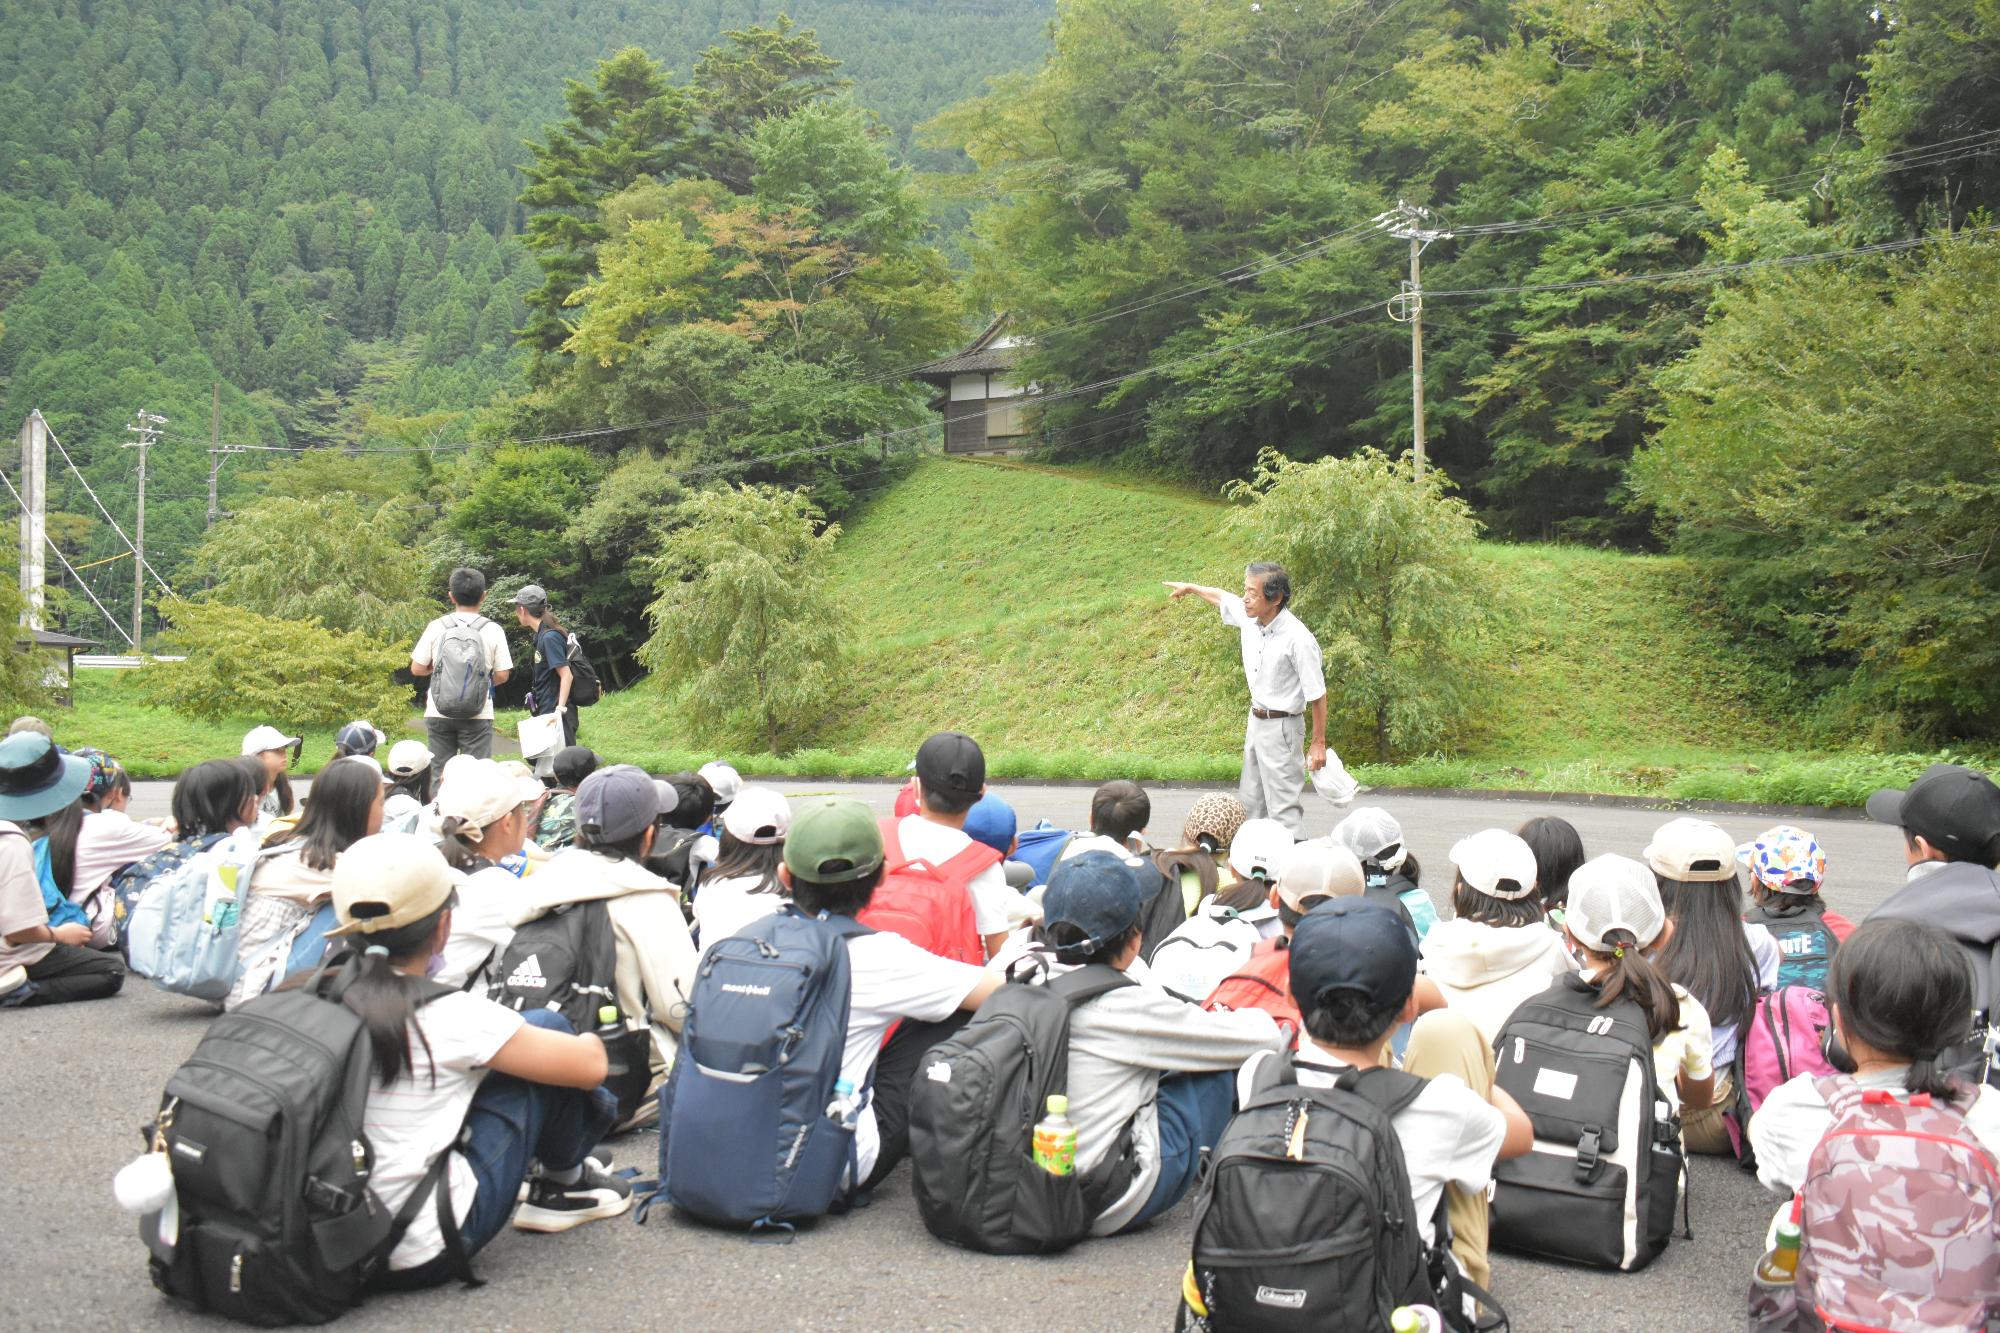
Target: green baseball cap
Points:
(833, 840)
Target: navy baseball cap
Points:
(1352, 944)
(1097, 893)
(614, 803)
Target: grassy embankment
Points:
(1023, 605)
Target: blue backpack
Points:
(1041, 847)
(183, 931)
(745, 1135)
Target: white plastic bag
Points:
(1333, 781)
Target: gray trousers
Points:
(453, 735)
(1274, 770)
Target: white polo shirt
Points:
(1281, 660)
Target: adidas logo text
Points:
(529, 974)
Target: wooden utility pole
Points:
(34, 516)
(1412, 222)
(146, 428)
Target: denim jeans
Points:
(1194, 1109)
(511, 1125)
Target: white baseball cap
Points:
(1373, 834)
(409, 757)
(722, 779)
(480, 793)
(1319, 870)
(267, 737)
(1492, 855)
(1613, 893)
(758, 815)
(1693, 851)
(1259, 849)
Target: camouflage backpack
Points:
(1900, 1216)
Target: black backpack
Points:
(277, 1221)
(1304, 1219)
(1602, 1181)
(973, 1107)
(1164, 911)
(584, 687)
(567, 960)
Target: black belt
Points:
(1266, 715)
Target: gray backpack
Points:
(460, 679)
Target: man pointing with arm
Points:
(1282, 666)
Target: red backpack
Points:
(1265, 982)
(930, 905)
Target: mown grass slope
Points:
(1023, 604)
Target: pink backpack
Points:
(1785, 1037)
(1901, 1216)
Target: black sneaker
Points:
(553, 1207)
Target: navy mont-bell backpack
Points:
(745, 1137)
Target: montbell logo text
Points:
(740, 988)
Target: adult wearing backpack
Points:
(1353, 974)
(42, 961)
(1950, 818)
(464, 655)
(1894, 1165)
(556, 677)
(1281, 664)
(616, 810)
(1149, 1074)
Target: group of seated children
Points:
(1327, 947)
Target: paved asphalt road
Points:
(76, 1083)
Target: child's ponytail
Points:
(1630, 975)
(384, 998)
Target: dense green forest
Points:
(1710, 275)
(314, 204)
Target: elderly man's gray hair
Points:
(1272, 581)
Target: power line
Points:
(108, 617)
(106, 512)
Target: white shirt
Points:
(109, 841)
(482, 925)
(890, 979)
(1450, 1134)
(498, 658)
(722, 907)
(995, 905)
(1280, 660)
(1794, 1118)
(413, 1120)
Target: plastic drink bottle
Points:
(1780, 1264)
(609, 1029)
(1416, 1319)
(1055, 1139)
(845, 1108)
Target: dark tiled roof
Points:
(48, 638)
(971, 363)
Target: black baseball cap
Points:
(1953, 808)
(574, 763)
(952, 764)
(1352, 944)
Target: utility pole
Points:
(217, 450)
(1412, 222)
(146, 428)
(34, 516)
